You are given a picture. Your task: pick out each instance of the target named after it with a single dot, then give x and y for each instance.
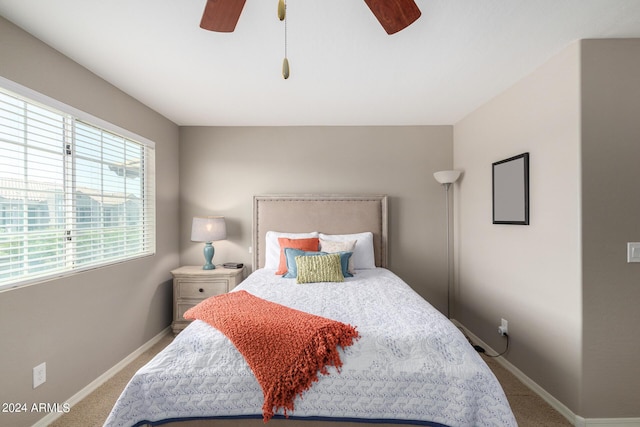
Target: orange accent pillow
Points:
(308, 244)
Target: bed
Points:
(409, 366)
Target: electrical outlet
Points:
(503, 329)
(39, 375)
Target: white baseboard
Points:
(91, 387)
(576, 420)
(607, 422)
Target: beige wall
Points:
(221, 168)
(563, 282)
(83, 325)
(610, 218)
(529, 275)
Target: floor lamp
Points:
(446, 178)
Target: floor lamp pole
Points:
(446, 209)
(446, 178)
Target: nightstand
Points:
(192, 284)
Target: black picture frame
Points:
(510, 179)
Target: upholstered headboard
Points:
(330, 214)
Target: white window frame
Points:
(148, 226)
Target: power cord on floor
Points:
(481, 350)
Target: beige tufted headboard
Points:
(329, 214)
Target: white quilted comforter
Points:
(411, 365)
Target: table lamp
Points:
(208, 229)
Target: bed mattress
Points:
(411, 365)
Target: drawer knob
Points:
(200, 290)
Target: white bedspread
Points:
(410, 365)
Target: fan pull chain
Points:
(282, 15)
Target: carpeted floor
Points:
(530, 410)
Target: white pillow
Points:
(363, 256)
(272, 248)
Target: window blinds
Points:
(72, 194)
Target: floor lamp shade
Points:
(208, 229)
(447, 177)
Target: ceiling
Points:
(345, 69)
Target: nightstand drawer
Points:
(201, 289)
(182, 307)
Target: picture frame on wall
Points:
(510, 179)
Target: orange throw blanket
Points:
(285, 348)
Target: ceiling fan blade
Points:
(221, 15)
(394, 15)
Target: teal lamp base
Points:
(208, 256)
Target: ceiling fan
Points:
(394, 15)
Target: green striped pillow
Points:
(319, 268)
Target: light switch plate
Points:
(633, 252)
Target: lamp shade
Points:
(447, 177)
(208, 229)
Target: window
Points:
(73, 194)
